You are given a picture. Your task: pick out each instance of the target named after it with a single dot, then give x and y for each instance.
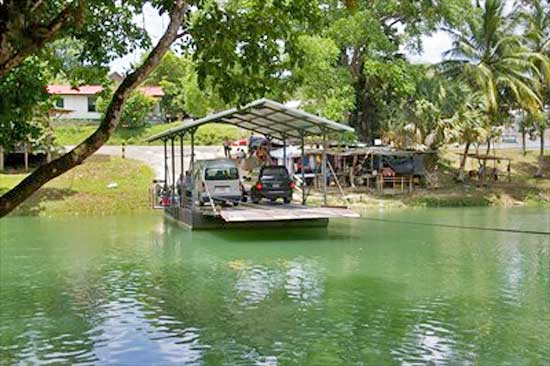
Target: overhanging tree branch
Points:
(11, 199)
(9, 58)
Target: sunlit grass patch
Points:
(85, 189)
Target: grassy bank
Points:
(523, 190)
(211, 134)
(85, 190)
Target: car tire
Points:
(235, 204)
(287, 200)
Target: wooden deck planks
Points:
(275, 212)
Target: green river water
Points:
(137, 290)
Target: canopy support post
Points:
(324, 168)
(26, 156)
(192, 148)
(284, 151)
(165, 165)
(182, 171)
(303, 168)
(173, 195)
(192, 167)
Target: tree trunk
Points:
(352, 172)
(487, 152)
(463, 162)
(49, 171)
(369, 120)
(357, 117)
(523, 144)
(363, 116)
(540, 170)
(72, 14)
(542, 141)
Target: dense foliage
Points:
(135, 112)
(184, 97)
(24, 105)
(345, 60)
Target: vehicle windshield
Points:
(223, 173)
(275, 172)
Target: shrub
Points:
(135, 111)
(213, 134)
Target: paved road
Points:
(530, 144)
(154, 155)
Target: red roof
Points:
(68, 90)
(151, 91)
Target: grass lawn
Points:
(84, 189)
(522, 189)
(211, 134)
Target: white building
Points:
(79, 103)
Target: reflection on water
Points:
(303, 281)
(135, 290)
(134, 326)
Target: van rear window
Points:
(222, 174)
(274, 172)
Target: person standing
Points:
(226, 147)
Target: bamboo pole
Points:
(324, 168)
(182, 170)
(26, 155)
(338, 183)
(173, 154)
(302, 142)
(165, 164)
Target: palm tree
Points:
(492, 60)
(534, 19)
(490, 57)
(467, 125)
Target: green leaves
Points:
(135, 111)
(183, 95)
(23, 104)
(325, 87)
(468, 124)
(65, 58)
(361, 29)
(246, 47)
(395, 76)
(492, 59)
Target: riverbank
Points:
(86, 190)
(102, 185)
(522, 190)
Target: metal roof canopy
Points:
(267, 117)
